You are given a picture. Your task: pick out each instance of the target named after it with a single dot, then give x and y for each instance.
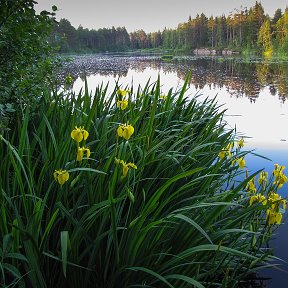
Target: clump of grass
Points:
(132, 189)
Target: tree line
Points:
(243, 29)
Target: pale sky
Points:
(149, 15)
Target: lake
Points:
(254, 92)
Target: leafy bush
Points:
(132, 189)
(25, 56)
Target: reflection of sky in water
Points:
(264, 122)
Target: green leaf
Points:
(64, 249)
(17, 256)
(185, 279)
(48, 228)
(130, 195)
(194, 224)
(87, 170)
(152, 273)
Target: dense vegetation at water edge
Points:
(132, 188)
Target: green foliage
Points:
(68, 39)
(10, 274)
(24, 51)
(181, 218)
(265, 37)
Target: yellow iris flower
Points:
(273, 217)
(226, 151)
(263, 178)
(278, 169)
(275, 200)
(81, 152)
(222, 154)
(251, 186)
(241, 162)
(125, 131)
(79, 133)
(61, 176)
(258, 198)
(122, 93)
(273, 214)
(125, 166)
(240, 143)
(122, 104)
(280, 177)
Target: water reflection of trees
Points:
(239, 78)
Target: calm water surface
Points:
(254, 92)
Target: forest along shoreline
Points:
(248, 31)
